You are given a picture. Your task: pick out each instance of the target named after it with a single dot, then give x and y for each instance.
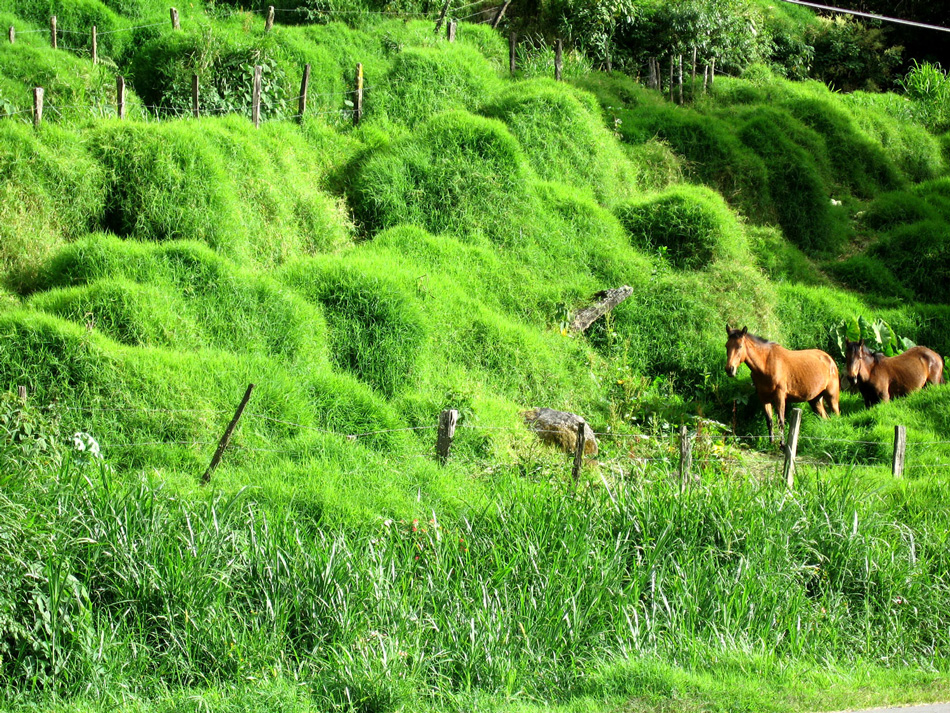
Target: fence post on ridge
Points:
(269, 23)
(256, 97)
(176, 25)
(21, 393)
(302, 103)
(12, 34)
(120, 96)
(52, 29)
(512, 51)
(579, 446)
(450, 31)
(37, 107)
(791, 447)
(226, 438)
(358, 100)
(686, 457)
(443, 444)
(558, 59)
(195, 106)
(900, 448)
(95, 45)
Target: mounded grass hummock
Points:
(692, 226)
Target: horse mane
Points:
(760, 340)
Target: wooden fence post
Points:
(52, 28)
(670, 87)
(120, 96)
(438, 23)
(12, 34)
(579, 444)
(692, 87)
(37, 107)
(791, 446)
(195, 107)
(512, 51)
(226, 438)
(95, 46)
(712, 71)
(501, 13)
(269, 23)
(900, 448)
(686, 457)
(450, 31)
(256, 97)
(358, 103)
(176, 25)
(302, 103)
(680, 79)
(651, 81)
(443, 444)
(558, 59)
(705, 77)
(21, 392)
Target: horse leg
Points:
(817, 406)
(768, 420)
(780, 410)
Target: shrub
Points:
(454, 174)
(692, 226)
(180, 295)
(796, 184)
(376, 330)
(870, 275)
(897, 207)
(562, 133)
(425, 81)
(920, 254)
(51, 190)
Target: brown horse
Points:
(880, 378)
(782, 375)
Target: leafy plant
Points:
(878, 335)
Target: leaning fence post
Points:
(176, 25)
(438, 23)
(195, 107)
(512, 51)
(686, 457)
(791, 447)
(302, 103)
(120, 96)
(579, 445)
(900, 448)
(358, 103)
(269, 23)
(226, 438)
(501, 13)
(443, 444)
(256, 97)
(95, 46)
(37, 107)
(558, 59)
(52, 28)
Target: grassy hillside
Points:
(366, 277)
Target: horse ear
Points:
(745, 330)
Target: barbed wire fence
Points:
(691, 453)
(350, 101)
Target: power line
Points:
(870, 15)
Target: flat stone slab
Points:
(559, 428)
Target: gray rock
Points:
(559, 428)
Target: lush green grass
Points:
(366, 278)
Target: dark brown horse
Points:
(881, 378)
(783, 376)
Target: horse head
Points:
(735, 349)
(858, 361)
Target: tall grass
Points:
(519, 598)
